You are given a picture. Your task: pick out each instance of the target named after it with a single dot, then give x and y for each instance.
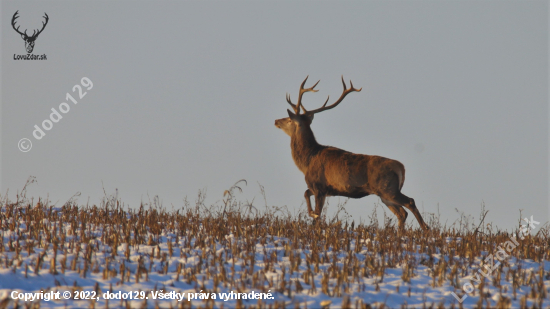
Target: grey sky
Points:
(186, 93)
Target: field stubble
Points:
(235, 247)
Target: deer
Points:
(330, 171)
(29, 40)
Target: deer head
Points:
(29, 40)
(297, 121)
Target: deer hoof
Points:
(313, 215)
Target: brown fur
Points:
(330, 171)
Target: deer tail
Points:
(401, 176)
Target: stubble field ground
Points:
(223, 255)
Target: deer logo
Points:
(330, 171)
(29, 40)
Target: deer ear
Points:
(291, 114)
(310, 117)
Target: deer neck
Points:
(304, 148)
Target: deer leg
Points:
(410, 204)
(402, 199)
(319, 203)
(399, 212)
(308, 195)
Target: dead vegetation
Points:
(238, 247)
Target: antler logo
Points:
(29, 40)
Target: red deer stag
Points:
(330, 171)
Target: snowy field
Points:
(80, 256)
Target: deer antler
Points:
(43, 25)
(297, 106)
(13, 23)
(34, 34)
(344, 94)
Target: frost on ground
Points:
(211, 253)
